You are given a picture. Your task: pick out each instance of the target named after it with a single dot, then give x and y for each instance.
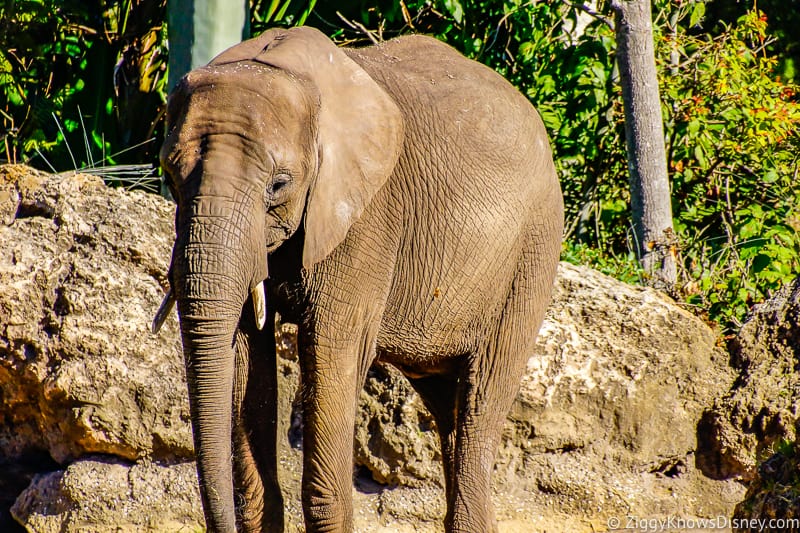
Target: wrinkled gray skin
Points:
(403, 203)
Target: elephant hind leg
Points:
(439, 394)
(259, 502)
(490, 386)
(484, 401)
(468, 436)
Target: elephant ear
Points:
(360, 129)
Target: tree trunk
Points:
(201, 29)
(644, 134)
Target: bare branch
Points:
(407, 15)
(599, 16)
(360, 27)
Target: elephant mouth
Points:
(278, 232)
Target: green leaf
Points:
(731, 114)
(700, 155)
(526, 50)
(771, 176)
(698, 11)
(751, 249)
(455, 9)
(70, 125)
(14, 96)
(749, 229)
(551, 118)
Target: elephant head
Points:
(276, 132)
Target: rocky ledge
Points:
(623, 410)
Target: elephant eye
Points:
(278, 185)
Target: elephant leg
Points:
(439, 394)
(479, 423)
(333, 374)
(259, 502)
(490, 387)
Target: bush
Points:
(80, 81)
(733, 151)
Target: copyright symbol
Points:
(613, 523)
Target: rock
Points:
(14, 478)
(605, 423)
(101, 494)
(606, 419)
(395, 437)
(82, 269)
(759, 418)
(773, 494)
(762, 407)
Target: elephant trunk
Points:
(213, 272)
(209, 373)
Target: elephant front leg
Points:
(332, 378)
(259, 502)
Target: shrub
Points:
(733, 151)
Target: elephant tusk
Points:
(260, 304)
(163, 311)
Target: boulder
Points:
(605, 423)
(762, 407)
(81, 270)
(103, 494)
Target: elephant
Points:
(399, 203)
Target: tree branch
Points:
(599, 16)
(360, 27)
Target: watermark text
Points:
(670, 523)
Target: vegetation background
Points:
(83, 85)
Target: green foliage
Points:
(40, 52)
(733, 151)
(83, 84)
(783, 28)
(624, 268)
(268, 13)
(80, 80)
(785, 447)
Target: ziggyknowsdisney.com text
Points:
(667, 523)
